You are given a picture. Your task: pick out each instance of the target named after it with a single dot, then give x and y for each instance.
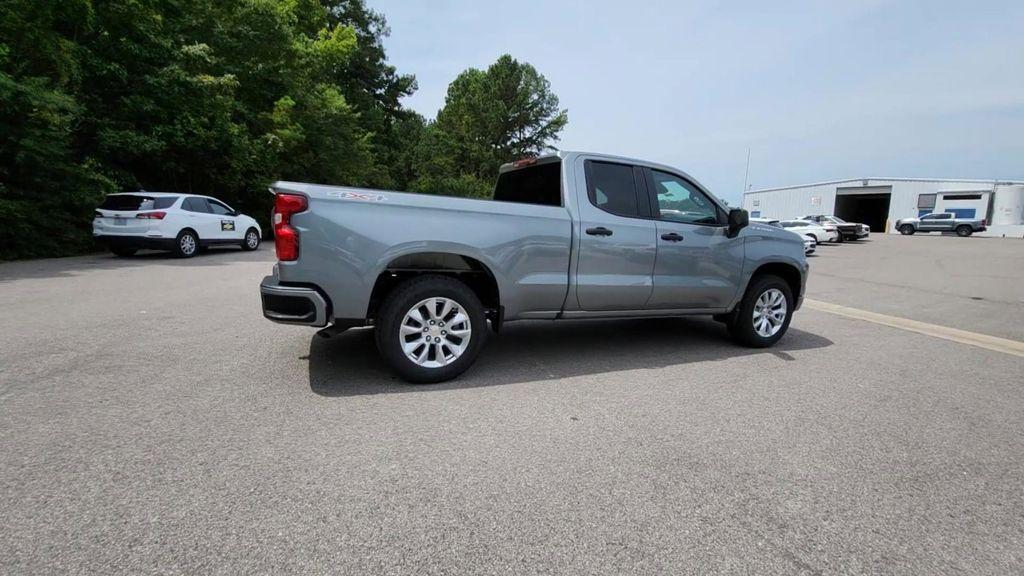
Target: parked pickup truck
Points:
(570, 235)
(940, 222)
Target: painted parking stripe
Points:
(1003, 345)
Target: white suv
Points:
(181, 223)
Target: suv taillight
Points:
(286, 238)
(151, 215)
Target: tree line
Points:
(222, 97)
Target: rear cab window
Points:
(539, 183)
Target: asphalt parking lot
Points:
(151, 421)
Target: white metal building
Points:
(879, 202)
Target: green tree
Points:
(222, 97)
(208, 96)
(490, 117)
(44, 187)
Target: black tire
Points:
(839, 238)
(907, 230)
(123, 252)
(964, 231)
(742, 329)
(402, 300)
(247, 243)
(182, 247)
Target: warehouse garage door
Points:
(866, 204)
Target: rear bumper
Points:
(136, 242)
(855, 233)
(303, 305)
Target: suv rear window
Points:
(134, 202)
(538, 184)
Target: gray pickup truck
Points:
(940, 222)
(566, 236)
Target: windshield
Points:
(837, 220)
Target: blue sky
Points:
(816, 90)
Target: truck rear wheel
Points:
(907, 229)
(763, 315)
(964, 231)
(431, 329)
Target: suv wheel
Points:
(907, 229)
(186, 244)
(964, 230)
(251, 240)
(431, 329)
(763, 315)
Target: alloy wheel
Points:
(188, 244)
(769, 313)
(435, 332)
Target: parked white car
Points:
(810, 242)
(810, 245)
(820, 232)
(181, 223)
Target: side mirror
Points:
(738, 220)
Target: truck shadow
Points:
(348, 364)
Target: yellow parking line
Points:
(1003, 345)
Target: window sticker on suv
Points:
(227, 225)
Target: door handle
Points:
(599, 231)
(672, 237)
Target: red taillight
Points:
(528, 161)
(286, 238)
(151, 215)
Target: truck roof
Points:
(568, 154)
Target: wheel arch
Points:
(472, 271)
(788, 272)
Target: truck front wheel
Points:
(907, 229)
(764, 313)
(431, 328)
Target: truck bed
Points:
(349, 236)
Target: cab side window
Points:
(613, 188)
(681, 201)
